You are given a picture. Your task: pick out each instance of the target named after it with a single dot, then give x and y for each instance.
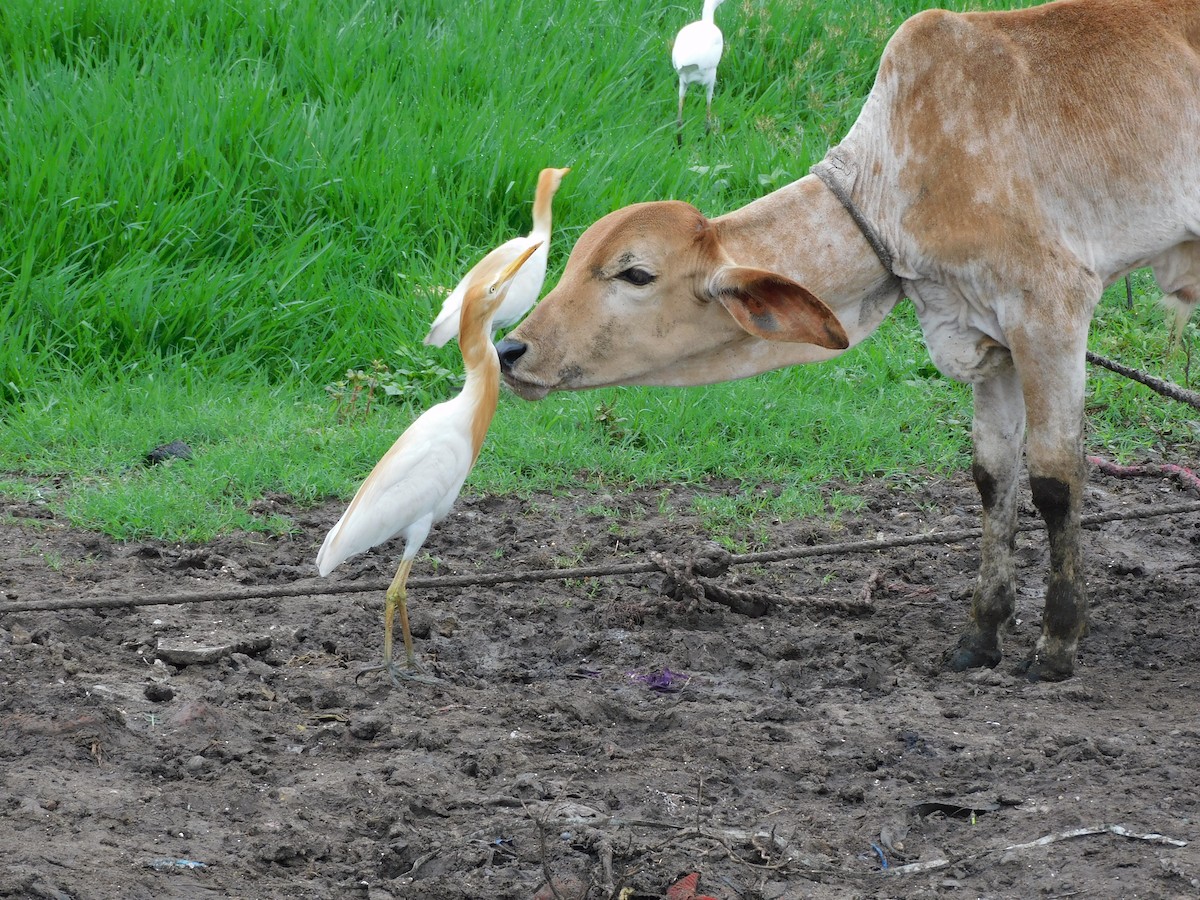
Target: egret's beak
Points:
(511, 270)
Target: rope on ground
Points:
(672, 568)
(682, 584)
(1158, 385)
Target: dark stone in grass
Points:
(163, 452)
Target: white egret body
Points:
(417, 481)
(528, 283)
(695, 55)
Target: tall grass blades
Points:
(211, 211)
(286, 187)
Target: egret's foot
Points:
(972, 652)
(1043, 666)
(397, 674)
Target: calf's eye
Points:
(636, 276)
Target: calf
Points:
(1005, 167)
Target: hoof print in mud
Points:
(1034, 669)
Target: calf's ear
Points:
(776, 308)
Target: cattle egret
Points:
(419, 478)
(525, 289)
(695, 55)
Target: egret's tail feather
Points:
(329, 559)
(441, 332)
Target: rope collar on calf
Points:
(832, 176)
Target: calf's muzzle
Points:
(509, 352)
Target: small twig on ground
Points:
(1120, 830)
(723, 840)
(874, 580)
(605, 851)
(417, 863)
(541, 830)
(1158, 385)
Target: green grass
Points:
(211, 211)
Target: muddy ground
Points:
(594, 730)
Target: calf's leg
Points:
(1052, 369)
(1178, 274)
(997, 434)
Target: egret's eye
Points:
(636, 276)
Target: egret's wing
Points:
(526, 287)
(445, 326)
(420, 476)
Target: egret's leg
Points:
(397, 596)
(708, 109)
(397, 601)
(679, 115)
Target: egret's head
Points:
(487, 291)
(550, 179)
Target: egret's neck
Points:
(482, 388)
(710, 9)
(479, 356)
(542, 203)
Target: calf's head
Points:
(650, 296)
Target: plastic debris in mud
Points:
(687, 888)
(664, 681)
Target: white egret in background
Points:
(528, 284)
(695, 55)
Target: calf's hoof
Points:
(970, 654)
(1043, 667)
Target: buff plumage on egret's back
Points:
(419, 478)
(527, 285)
(695, 55)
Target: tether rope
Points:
(705, 563)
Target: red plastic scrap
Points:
(686, 889)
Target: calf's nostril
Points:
(509, 352)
